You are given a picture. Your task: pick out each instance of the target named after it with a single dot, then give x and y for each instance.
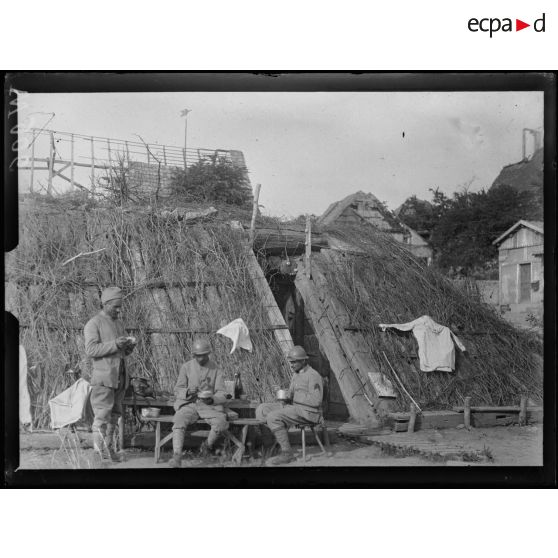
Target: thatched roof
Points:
(181, 279)
(525, 175)
(379, 281)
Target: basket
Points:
(150, 412)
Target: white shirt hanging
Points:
(435, 341)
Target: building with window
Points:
(521, 266)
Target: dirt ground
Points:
(509, 446)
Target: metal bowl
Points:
(150, 412)
(282, 395)
(205, 394)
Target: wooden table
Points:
(167, 402)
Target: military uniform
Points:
(194, 378)
(108, 378)
(306, 391)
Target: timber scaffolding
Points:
(82, 161)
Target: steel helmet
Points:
(201, 347)
(297, 353)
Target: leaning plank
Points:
(281, 331)
(359, 407)
(353, 342)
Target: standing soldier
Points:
(306, 393)
(107, 345)
(200, 393)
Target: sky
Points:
(310, 149)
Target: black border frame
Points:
(341, 477)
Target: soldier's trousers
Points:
(215, 417)
(106, 403)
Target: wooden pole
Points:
(523, 410)
(164, 156)
(92, 166)
(308, 243)
(184, 157)
(148, 156)
(50, 164)
(32, 161)
(72, 162)
(254, 214)
(127, 153)
(467, 413)
(412, 418)
(109, 153)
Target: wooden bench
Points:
(240, 444)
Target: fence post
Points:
(72, 163)
(51, 165)
(308, 243)
(127, 153)
(467, 413)
(254, 214)
(92, 167)
(33, 137)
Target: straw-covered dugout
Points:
(181, 279)
(378, 280)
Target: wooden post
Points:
(184, 157)
(127, 153)
(254, 214)
(51, 165)
(467, 413)
(32, 161)
(72, 162)
(148, 156)
(164, 156)
(412, 418)
(109, 154)
(308, 243)
(523, 411)
(92, 167)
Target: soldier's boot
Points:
(286, 455)
(117, 456)
(177, 445)
(100, 445)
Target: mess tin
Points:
(205, 394)
(282, 395)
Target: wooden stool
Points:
(313, 427)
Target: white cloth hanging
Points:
(238, 332)
(70, 406)
(435, 341)
(24, 399)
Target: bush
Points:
(213, 180)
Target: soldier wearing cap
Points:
(306, 393)
(200, 393)
(107, 345)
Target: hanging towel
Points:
(435, 341)
(70, 406)
(24, 399)
(237, 330)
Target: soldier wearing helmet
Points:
(199, 393)
(305, 407)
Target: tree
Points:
(213, 180)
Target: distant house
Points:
(521, 250)
(360, 208)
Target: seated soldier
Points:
(306, 393)
(198, 377)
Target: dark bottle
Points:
(238, 388)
